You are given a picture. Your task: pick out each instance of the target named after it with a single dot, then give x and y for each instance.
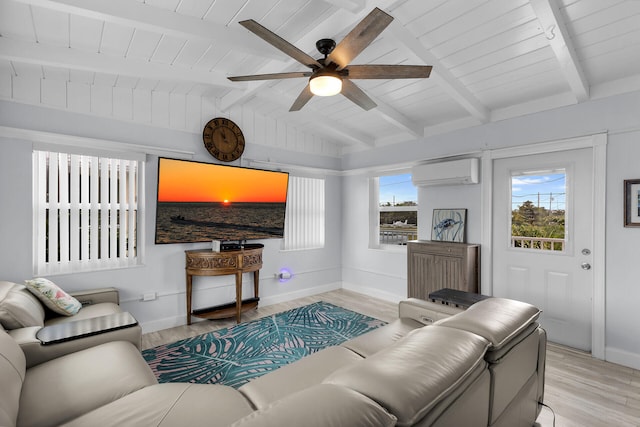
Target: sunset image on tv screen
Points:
(200, 202)
(184, 181)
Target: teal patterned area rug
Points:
(233, 356)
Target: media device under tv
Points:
(201, 202)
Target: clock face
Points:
(223, 139)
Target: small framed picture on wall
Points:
(632, 203)
(448, 225)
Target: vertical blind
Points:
(304, 221)
(85, 212)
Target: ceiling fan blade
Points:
(355, 94)
(373, 71)
(274, 76)
(360, 37)
(280, 43)
(302, 99)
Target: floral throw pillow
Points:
(53, 297)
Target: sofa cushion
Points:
(304, 373)
(12, 372)
(415, 374)
(18, 307)
(53, 296)
(62, 389)
(496, 319)
(380, 338)
(320, 406)
(172, 404)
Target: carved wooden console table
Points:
(227, 262)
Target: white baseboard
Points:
(276, 299)
(173, 321)
(376, 293)
(164, 323)
(622, 357)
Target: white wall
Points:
(623, 254)
(347, 257)
(450, 197)
(619, 116)
(163, 270)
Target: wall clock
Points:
(223, 139)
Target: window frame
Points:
(77, 211)
(567, 171)
(375, 209)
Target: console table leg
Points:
(189, 290)
(256, 281)
(238, 296)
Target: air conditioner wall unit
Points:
(464, 171)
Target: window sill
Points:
(389, 248)
(75, 270)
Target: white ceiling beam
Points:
(39, 54)
(340, 133)
(557, 33)
(354, 6)
(397, 119)
(440, 74)
(145, 17)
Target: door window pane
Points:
(538, 211)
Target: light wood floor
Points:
(583, 392)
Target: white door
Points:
(550, 272)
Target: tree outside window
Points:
(538, 214)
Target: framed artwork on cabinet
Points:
(448, 225)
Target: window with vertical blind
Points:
(304, 221)
(86, 214)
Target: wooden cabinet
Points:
(437, 265)
(246, 259)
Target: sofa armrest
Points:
(96, 296)
(425, 312)
(78, 329)
(35, 352)
(25, 336)
(542, 360)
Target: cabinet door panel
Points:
(433, 266)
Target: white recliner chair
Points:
(44, 335)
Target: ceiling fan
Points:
(332, 74)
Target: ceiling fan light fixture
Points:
(325, 84)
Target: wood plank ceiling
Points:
(492, 59)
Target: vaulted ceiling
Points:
(492, 59)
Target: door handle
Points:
(585, 266)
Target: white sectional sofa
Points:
(479, 367)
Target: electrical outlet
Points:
(150, 296)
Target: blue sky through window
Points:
(396, 189)
(547, 191)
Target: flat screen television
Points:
(201, 202)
